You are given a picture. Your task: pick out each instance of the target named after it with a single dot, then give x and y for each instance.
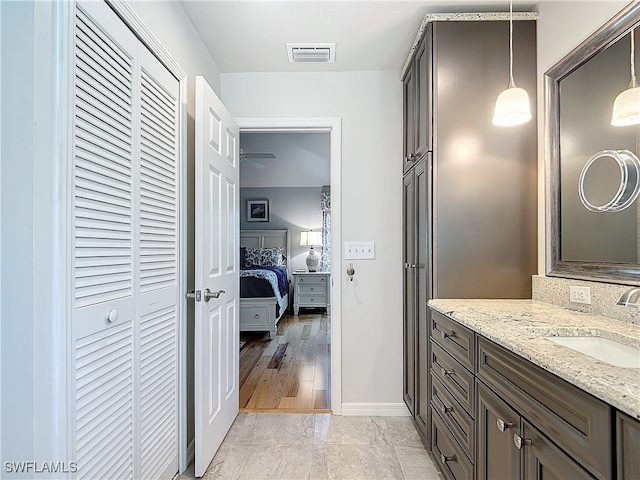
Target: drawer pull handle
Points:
(446, 335)
(502, 425)
(311, 299)
(520, 442)
(446, 372)
(322, 280)
(256, 316)
(447, 458)
(301, 280)
(312, 289)
(446, 410)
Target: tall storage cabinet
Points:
(470, 193)
(416, 221)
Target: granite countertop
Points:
(519, 325)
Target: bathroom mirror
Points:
(593, 171)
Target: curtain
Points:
(325, 206)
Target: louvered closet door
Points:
(158, 355)
(124, 220)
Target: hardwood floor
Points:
(290, 373)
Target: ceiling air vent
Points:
(311, 52)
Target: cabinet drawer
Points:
(455, 464)
(312, 299)
(573, 419)
(254, 318)
(455, 417)
(457, 339)
(312, 288)
(310, 279)
(457, 379)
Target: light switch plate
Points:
(359, 250)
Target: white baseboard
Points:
(376, 409)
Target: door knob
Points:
(208, 294)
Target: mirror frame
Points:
(609, 33)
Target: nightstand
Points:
(311, 289)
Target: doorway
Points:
(303, 324)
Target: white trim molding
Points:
(333, 125)
(375, 409)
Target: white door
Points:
(216, 256)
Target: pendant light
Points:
(626, 106)
(512, 105)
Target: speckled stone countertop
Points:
(520, 325)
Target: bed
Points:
(264, 285)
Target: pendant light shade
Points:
(626, 106)
(512, 105)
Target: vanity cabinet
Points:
(496, 415)
(506, 441)
(577, 422)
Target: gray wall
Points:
(292, 208)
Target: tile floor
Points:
(320, 447)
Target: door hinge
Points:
(195, 294)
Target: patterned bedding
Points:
(256, 282)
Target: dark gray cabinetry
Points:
(448, 455)
(543, 460)
(496, 423)
(574, 420)
(506, 441)
(452, 396)
(415, 322)
(496, 415)
(417, 104)
(628, 447)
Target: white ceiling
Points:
(250, 36)
(302, 159)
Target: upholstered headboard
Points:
(266, 238)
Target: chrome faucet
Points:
(630, 298)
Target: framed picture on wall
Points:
(258, 211)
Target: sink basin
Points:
(603, 349)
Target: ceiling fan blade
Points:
(253, 163)
(258, 155)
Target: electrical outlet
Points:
(580, 294)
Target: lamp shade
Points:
(626, 108)
(512, 107)
(310, 239)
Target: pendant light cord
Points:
(512, 84)
(633, 83)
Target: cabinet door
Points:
(409, 284)
(628, 446)
(409, 98)
(423, 365)
(497, 456)
(423, 111)
(543, 460)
